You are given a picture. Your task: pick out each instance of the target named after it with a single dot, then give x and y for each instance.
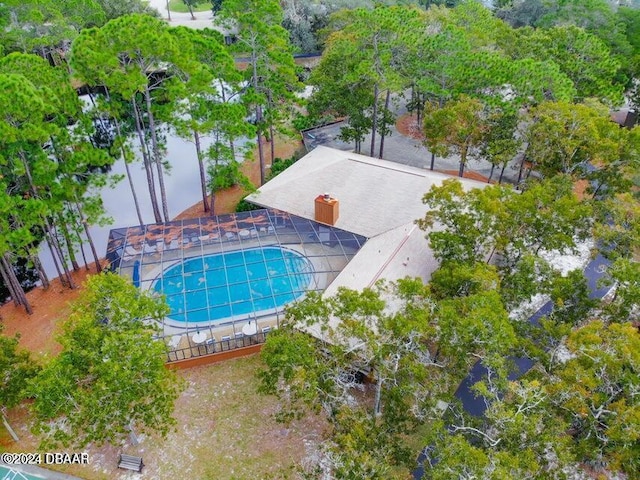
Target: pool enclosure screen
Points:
(223, 269)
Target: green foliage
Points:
(476, 324)
(16, 370)
(580, 55)
(40, 26)
(272, 74)
(581, 140)
(118, 8)
(303, 122)
(228, 175)
(244, 206)
(110, 377)
(596, 392)
(280, 165)
(191, 6)
(361, 335)
(570, 295)
(522, 13)
(455, 279)
(497, 222)
(618, 225)
(625, 305)
(457, 127)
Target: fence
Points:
(212, 346)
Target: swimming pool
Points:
(238, 283)
(15, 474)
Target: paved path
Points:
(403, 149)
(203, 19)
(477, 405)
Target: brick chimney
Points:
(327, 209)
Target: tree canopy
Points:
(110, 378)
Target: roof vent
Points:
(327, 209)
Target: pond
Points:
(182, 185)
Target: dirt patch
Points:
(227, 200)
(37, 332)
(470, 174)
(580, 188)
(408, 126)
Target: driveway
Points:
(203, 19)
(403, 149)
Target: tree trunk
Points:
(19, 291)
(504, 165)
(193, 17)
(44, 279)
(377, 405)
(433, 160)
(147, 162)
(10, 285)
(130, 180)
(520, 172)
(5, 422)
(272, 136)
(493, 166)
(168, 11)
(203, 178)
(126, 167)
(69, 244)
(156, 154)
(463, 160)
(374, 119)
(273, 142)
(382, 135)
(232, 147)
(258, 115)
(261, 156)
(96, 259)
(55, 262)
(54, 240)
(412, 101)
(47, 225)
(84, 257)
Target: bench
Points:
(129, 462)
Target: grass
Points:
(225, 430)
(179, 6)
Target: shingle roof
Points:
(375, 195)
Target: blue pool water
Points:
(237, 283)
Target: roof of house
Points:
(374, 195)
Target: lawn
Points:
(225, 430)
(179, 6)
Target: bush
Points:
(244, 206)
(302, 122)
